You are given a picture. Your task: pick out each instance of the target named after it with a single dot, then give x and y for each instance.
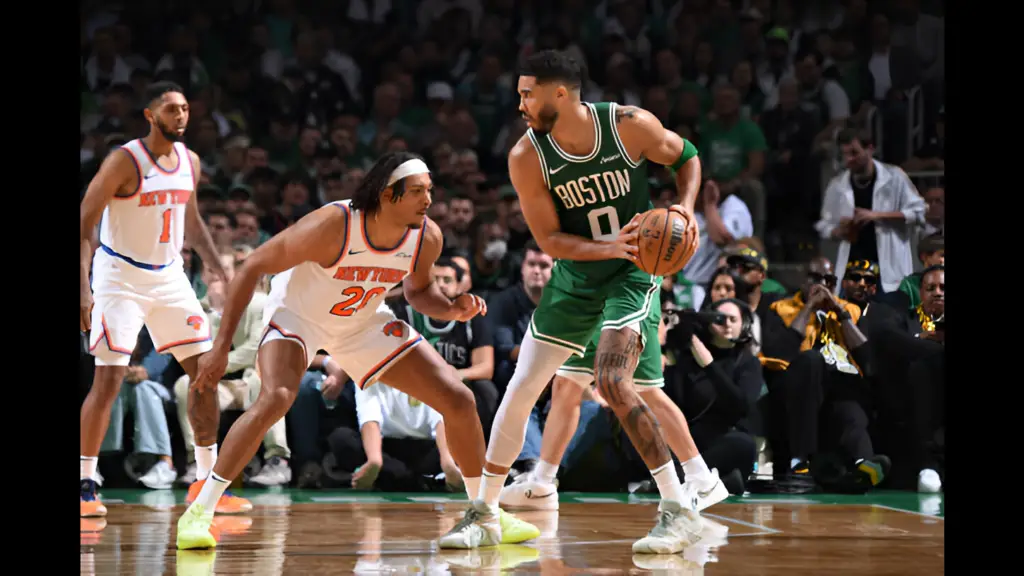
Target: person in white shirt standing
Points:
(399, 440)
(873, 209)
(144, 200)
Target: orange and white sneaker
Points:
(91, 507)
(228, 503)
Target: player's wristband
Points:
(689, 151)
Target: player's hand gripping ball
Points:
(668, 239)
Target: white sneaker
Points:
(529, 493)
(705, 492)
(677, 527)
(928, 481)
(478, 528)
(275, 472)
(160, 477)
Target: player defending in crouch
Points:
(580, 178)
(333, 268)
(143, 200)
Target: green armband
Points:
(689, 151)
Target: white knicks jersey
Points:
(355, 285)
(147, 229)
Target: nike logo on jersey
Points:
(353, 252)
(150, 176)
(529, 494)
(610, 158)
(403, 255)
(557, 170)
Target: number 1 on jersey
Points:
(165, 235)
(595, 223)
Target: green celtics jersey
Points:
(596, 194)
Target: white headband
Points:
(408, 168)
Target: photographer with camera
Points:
(825, 361)
(716, 380)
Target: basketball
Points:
(667, 240)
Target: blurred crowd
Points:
(820, 126)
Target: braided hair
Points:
(367, 196)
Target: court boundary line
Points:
(914, 512)
(766, 530)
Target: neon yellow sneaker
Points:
(514, 530)
(194, 529)
(195, 562)
(498, 558)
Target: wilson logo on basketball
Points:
(674, 240)
(196, 322)
(394, 328)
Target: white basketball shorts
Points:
(365, 349)
(124, 302)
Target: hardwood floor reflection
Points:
(592, 538)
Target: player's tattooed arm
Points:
(617, 356)
(643, 136)
(195, 229)
(527, 175)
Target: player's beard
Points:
(546, 119)
(170, 135)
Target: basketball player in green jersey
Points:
(581, 182)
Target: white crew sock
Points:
(211, 492)
(206, 457)
(696, 469)
(472, 487)
(545, 472)
(490, 490)
(668, 483)
(87, 467)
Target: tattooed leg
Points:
(617, 354)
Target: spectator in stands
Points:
(247, 227)
(768, 285)
(466, 346)
(777, 66)
(722, 286)
(909, 370)
(222, 227)
(872, 208)
(493, 268)
(733, 149)
(240, 386)
(860, 283)
(721, 218)
(932, 156)
(789, 177)
(510, 311)
(400, 440)
(822, 96)
(717, 380)
(325, 401)
(824, 383)
(143, 396)
(932, 252)
(749, 270)
(461, 214)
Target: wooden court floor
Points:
(316, 533)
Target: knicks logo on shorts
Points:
(394, 328)
(196, 322)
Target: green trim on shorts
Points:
(639, 315)
(574, 348)
(578, 370)
(658, 382)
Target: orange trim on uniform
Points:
(390, 358)
(183, 342)
(138, 172)
(110, 343)
(416, 252)
(374, 249)
(286, 334)
(348, 227)
(155, 163)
